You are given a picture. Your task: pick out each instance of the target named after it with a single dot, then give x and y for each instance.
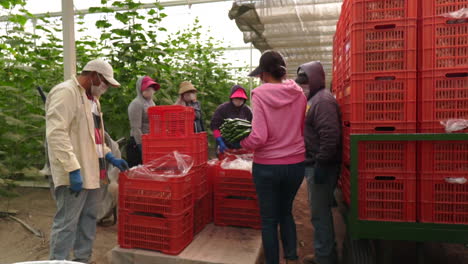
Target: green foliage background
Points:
(134, 48)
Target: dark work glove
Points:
(119, 163)
(222, 146)
(320, 176)
(139, 147)
(76, 183)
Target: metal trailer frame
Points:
(365, 230)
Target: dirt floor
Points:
(36, 208)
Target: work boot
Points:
(310, 259)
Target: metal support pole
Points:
(69, 52)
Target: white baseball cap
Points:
(104, 68)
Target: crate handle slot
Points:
(385, 78)
(390, 26)
(385, 129)
(459, 180)
(346, 123)
(456, 75)
(385, 178)
(457, 21)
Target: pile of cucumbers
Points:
(234, 130)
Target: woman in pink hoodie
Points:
(277, 139)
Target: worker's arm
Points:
(61, 110)
(259, 135)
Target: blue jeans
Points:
(74, 226)
(277, 186)
(321, 200)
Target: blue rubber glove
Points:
(222, 146)
(236, 145)
(119, 163)
(76, 183)
(320, 176)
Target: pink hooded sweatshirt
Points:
(277, 136)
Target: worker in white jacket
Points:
(78, 154)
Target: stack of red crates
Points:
(443, 94)
(375, 86)
(164, 215)
(235, 198)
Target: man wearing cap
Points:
(77, 154)
(138, 116)
(188, 97)
(235, 108)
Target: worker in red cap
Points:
(138, 116)
(235, 108)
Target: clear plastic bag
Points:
(238, 162)
(172, 165)
(461, 180)
(454, 125)
(460, 14)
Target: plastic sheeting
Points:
(302, 30)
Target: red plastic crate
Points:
(171, 121)
(195, 146)
(383, 10)
(382, 100)
(440, 201)
(444, 43)
(387, 197)
(383, 47)
(213, 167)
(200, 182)
(346, 145)
(167, 235)
(172, 196)
(345, 184)
(236, 212)
(234, 182)
(443, 95)
(387, 157)
(203, 213)
(432, 8)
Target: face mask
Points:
(238, 102)
(190, 97)
(305, 89)
(98, 90)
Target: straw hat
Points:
(186, 86)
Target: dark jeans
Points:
(277, 186)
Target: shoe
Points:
(310, 259)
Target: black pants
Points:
(134, 157)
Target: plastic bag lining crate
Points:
(234, 182)
(234, 211)
(382, 99)
(171, 197)
(203, 212)
(387, 197)
(443, 95)
(167, 235)
(381, 10)
(387, 157)
(444, 43)
(432, 8)
(441, 201)
(171, 121)
(195, 145)
(381, 47)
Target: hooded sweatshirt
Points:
(278, 124)
(138, 114)
(322, 129)
(229, 110)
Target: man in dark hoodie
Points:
(235, 108)
(322, 134)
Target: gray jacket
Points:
(322, 128)
(138, 115)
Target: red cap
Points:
(147, 82)
(239, 93)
